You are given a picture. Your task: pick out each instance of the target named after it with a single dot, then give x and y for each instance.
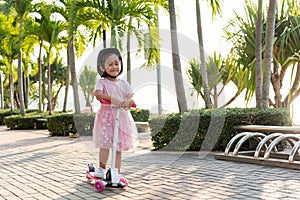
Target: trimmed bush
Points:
(29, 121)
(61, 124)
(140, 115)
(84, 123)
(209, 129)
(7, 112)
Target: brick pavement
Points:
(35, 166)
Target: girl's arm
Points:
(101, 96)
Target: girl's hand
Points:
(125, 104)
(116, 102)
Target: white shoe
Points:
(100, 173)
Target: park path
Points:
(36, 166)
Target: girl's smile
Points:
(113, 65)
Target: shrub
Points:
(6, 113)
(29, 121)
(61, 124)
(209, 129)
(84, 123)
(140, 115)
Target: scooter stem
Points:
(115, 141)
(114, 172)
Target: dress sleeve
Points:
(98, 85)
(128, 88)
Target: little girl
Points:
(113, 93)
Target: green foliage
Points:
(61, 124)
(87, 81)
(5, 113)
(140, 115)
(84, 123)
(188, 131)
(58, 80)
(29, 121)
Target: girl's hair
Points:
(103, 55)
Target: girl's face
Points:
(112, 65)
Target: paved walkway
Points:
(35, 166)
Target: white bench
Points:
(269, 129)
(144, 125)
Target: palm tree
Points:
(74, 36)
(87, 81)
(143, 12)
(118, 17)
(35, 29)
(286, 54)
(258, 56)
(215, 4)
(9, 50)
(285, 50)
(54, 39)
(220, 72)
(181, 99)
(21, 7)
(268, 54)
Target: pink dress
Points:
(105, 118)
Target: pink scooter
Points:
(112, 178)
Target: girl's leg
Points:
(118, 161)
(103, 157)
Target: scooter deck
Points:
(100, 183)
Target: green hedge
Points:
(61, 124)
(29, 121)
(188, 131)
(140, 115)
(7, 112)
(83, 123)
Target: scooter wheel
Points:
(99, 185)
(124, 181)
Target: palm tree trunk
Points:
(67, 87)
(26, 90)
(182, 104)
(128, 54)
(268, 51)
(40, 76)
(258, 56)
(11, 87)
(72, 68)
(202, 58)
(20, 75)
(104, 38)
(49, 84)
(71, 57)
(1, 90)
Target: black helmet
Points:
(103, 55)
